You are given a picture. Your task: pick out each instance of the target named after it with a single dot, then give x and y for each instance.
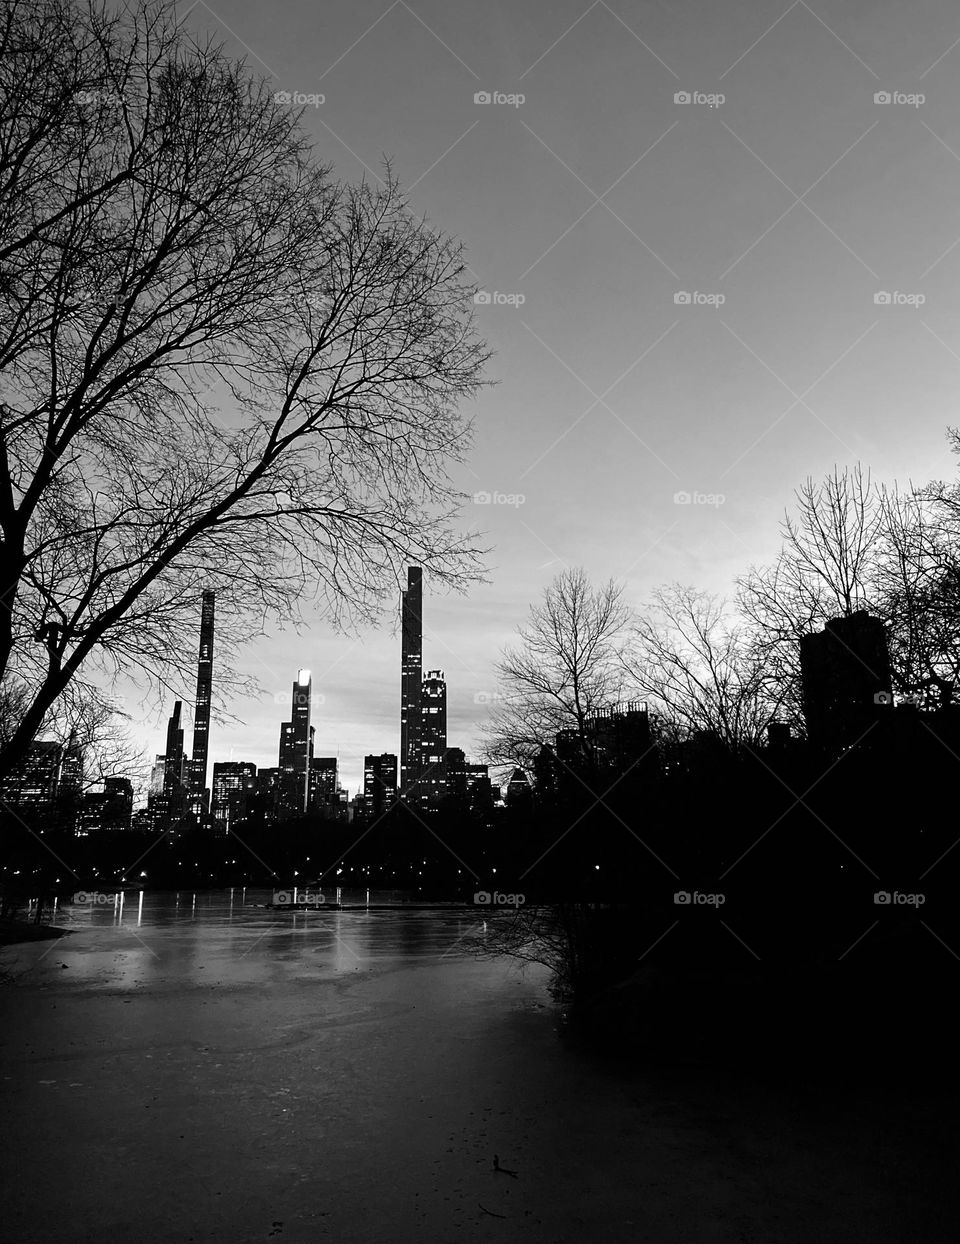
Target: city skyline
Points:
(422, 727)
(598, 200)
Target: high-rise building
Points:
(379, 783)
(466, 784)
(324, 781)
(518, 790)
(263, 804)
(71, 771)
(845, 672)
(167, 802)
(234, 787)
(199, 794)
(296, 748)
(109, 809)
(619, 736)
(433, 736)
(34, 783)
(411, 677)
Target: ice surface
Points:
(206, 1070)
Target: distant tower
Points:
(324, 782)
(411, 674)
(379, 782)
(234, 789)
(433, 736)
(201, 712)
(296, 748)
(173, 767)
(845, 671)
(168, 786)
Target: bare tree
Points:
(855, 545)
(565, 667)
(219, 368)
(827, 567)
(696, 667)
(85, 721)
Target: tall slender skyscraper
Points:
(433, 736)
(169, 792)
(296, 751)
(411, 675)
(201, 712)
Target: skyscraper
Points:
(379, 782)
(433, 736)
(322, 795)
(843, 668)
(411, 675)
(296, 739)
(201, 712)
(234, 786)
(167, 802)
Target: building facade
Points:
(234, 790)
(433, 737)
(324, 782)
(296, 751)
(379, 783)
(411, 678)
(845, 672)
(199, 794)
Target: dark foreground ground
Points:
(362, 1097)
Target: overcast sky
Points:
(781, 199)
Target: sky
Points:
(717, 245)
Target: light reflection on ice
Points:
(230, 938)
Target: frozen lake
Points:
(196, 1068)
